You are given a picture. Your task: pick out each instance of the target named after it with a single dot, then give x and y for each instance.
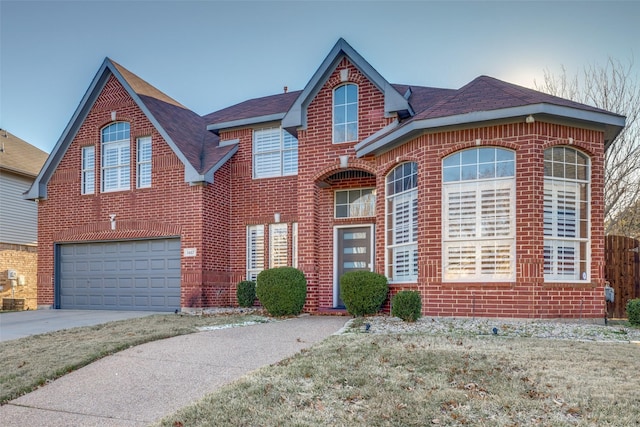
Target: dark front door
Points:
(353, 254)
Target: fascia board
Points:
(189, 170)
(208, 176)
(613, 122)
(215, 127)
(38, 189)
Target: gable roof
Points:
(485, 99)
(393, 100)
(183, 130)
(20, 157)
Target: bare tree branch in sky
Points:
(613, 87)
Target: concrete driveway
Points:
(20, 324)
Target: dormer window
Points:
(345, 113)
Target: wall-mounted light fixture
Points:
(276, 217)
(112, 219)
(344, 161)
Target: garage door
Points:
(128, 275)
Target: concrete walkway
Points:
(143, 384)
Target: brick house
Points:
(488, 199)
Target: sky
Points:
(209, 55)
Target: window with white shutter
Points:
(255, 251)
(278, 245)
(294, 245)
(402, 223)
(479, 215)
(116, 157)
(566, 217)
(275, 153)
(143, 169)
(88, 170)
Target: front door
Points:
(353, 253)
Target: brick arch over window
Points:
(570, 142)
(354, 164)
(473, 144)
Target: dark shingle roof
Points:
(257, 107)
(487, 93)
(186, 129)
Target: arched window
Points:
(402, 223)
(115, 157)
(566, 215)
(478, 232)
(345, 113)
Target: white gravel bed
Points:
(569, 330)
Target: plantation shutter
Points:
(278, 245)
(255, 251)
(478, 221)
(561, 224)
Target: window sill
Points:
(581, 284)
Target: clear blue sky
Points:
(212, 54)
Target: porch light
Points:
(344, 161)
(112, 219)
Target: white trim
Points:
(335, 254)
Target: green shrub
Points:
(633, 311)
(363, 292)
(407, 305)
(282, 290)
(246, 293)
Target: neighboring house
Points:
(20, 163)
(488, 200)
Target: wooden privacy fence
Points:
(622, 271)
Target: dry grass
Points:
(420, 379)
(28, 363)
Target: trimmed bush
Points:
(633, 311)
(407, 305)
(246, 293)
(282, 291)
(363, 292)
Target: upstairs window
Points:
(143, 164)
(116, 157)
(478, 233)
(566, 215)
(275, 153)
(345, 113)
(88, 170)
(402, 223)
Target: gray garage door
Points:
(127, 275)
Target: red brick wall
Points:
(170, 207)
(318, 159)
(529, 296)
